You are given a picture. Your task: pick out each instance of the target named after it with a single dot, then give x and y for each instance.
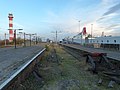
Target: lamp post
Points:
(15, 35)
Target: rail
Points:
(107, 68)
(110, 54)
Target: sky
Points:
(45, 17)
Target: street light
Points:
(15, 35)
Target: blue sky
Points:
(46, 16)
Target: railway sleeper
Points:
(90, 60)
(107, 61)
(112, 80)
(100, 63)
(98, 60)
(113, 73)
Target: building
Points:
(106, 42)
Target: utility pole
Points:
(30, 37)
(79, 32)
(15, 37)
(91, 32)
(36, 39)
(5, 35)
(56, 33)
(56, 37)
(5, 39)
(24, 40)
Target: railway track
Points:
(15, 79)
(106, 68)
(76, 53)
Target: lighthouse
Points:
(11, 36)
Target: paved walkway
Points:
(12, 59)
(110, 54)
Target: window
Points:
(101, 40)
(115, 41)
(107, 40)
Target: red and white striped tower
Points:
(11, 36)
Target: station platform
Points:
(110, 54)
(13, 59)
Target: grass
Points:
(69, 74)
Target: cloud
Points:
(109, 2)
(107, 17)
(109, 9)
(114, 26)
(112, 9)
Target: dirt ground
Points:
(59, 70)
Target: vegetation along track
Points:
(59, 70)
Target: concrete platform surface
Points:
(11, 59)
(110, 54)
